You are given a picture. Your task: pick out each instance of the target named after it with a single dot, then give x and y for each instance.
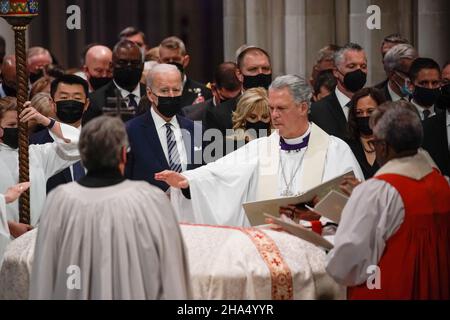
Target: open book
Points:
(331, 206)
(255, 210)
(302, 232)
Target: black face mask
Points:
(36, 76)
(426, 97)
(69, 111)
(444, 98)
(363, 125)
(178, 65)
(127, 77)
(11, 137)
(355, 80)
(98, 82)
(261, 128)
(9, 91)
(169, 106)
(260, 80)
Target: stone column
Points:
(395, 18)
(234, 30)
(433, 29)
(8, 34)
(295, 41)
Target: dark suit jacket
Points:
(358, 150)
(98, 100)
(436, 141)
(146, 156)
(220, 117)
(383, 87)
(382, 84)
(64, 176)
(328, 115)
(189, 95)
(197, 112)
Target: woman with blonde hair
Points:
(41, 85)
(251, 120)
(44, 104)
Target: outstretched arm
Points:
(14, 192)
(16, 229)
(173, 179)
(30, 113)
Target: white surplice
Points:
(253, 172)
(45, 161)
(124, 239)
(4, 230)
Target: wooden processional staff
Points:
(18, 13)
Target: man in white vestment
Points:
(44, 161)
(105, 237)
(296, 157)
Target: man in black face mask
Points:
(331, 113)
(436, 130)
(69, 94)
(226, 86)
(97, 67)
(425, 75)
(127, 67)
(160, 139)
(254, 70)
(38, 59)
(8, 87)
(173, 51)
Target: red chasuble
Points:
(416, 261)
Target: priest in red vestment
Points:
(393, 241)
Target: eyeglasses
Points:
(372, 143)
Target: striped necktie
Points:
(174, 157)
(132, 102)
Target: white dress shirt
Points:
(160, 125)
(125, 93)
(343, 101)
(420, 109)
(394, 96)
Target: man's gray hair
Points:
(400, 127)
(159, 68)
(37, 51)
(174, 43)
(393, 57)
(297, 86)
(339, 55)
(101, 142)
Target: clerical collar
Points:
(295, 144)
(101, 178)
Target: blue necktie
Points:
(174, 157)
(78, 171)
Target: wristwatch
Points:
(52, 123)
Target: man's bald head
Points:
(9, 70)
(98, 62)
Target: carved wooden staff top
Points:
(18, 13)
